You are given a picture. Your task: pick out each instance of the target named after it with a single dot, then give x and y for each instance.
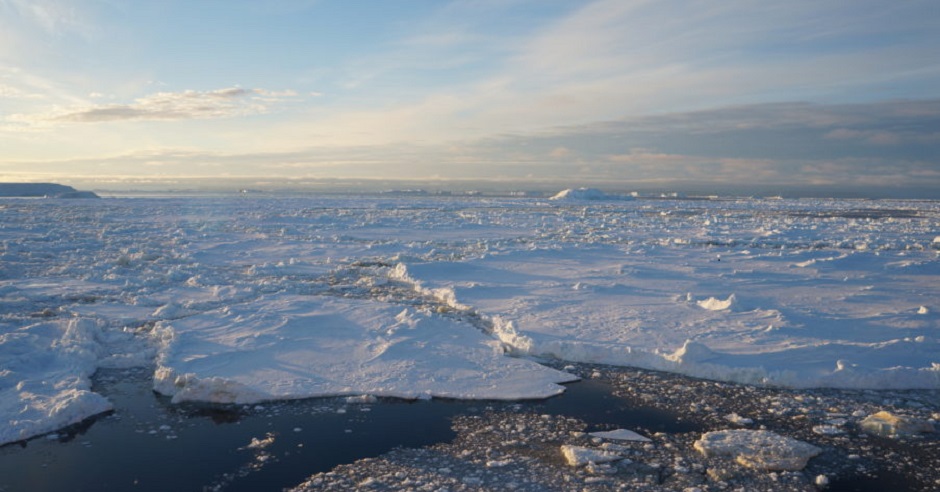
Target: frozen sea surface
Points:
(254, 297)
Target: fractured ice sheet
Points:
(289, 346)
(791, 292)
(760, 318)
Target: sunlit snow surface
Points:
(252, 297)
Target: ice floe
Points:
(288, 347)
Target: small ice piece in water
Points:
(822, 480)
(758, 449)
(827, 430)
(260, 443)
(736, 419)
(886, 424)
(621, 435)
(578, 455)
(923, 310)
(361, 399)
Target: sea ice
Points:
(621, 435)
(887, 424)
(287, 347)
(579, 455)
(44, 377)
(601, 281)
(759, 449)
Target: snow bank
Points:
(286, 347)
(44, 377)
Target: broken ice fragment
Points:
(621, 435)
(577, 455)
(759, 449)
(886, 424)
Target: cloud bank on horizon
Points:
(800, 93)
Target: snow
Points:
(261, 297)
(758, 449)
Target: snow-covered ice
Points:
(286, 347)
(225, 295)
(44, 377)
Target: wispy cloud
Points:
(185, 105)
(53, 16)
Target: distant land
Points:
(40, 190)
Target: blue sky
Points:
(835, 93)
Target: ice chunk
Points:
(621, 435)
(887, 424)
(736, 419)
(578, 455)
(714, 304)
(758, 449)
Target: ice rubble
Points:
(818, 293)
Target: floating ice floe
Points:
(759, 449)
(288, 347)
(887, 424)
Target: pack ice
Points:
(239, 299)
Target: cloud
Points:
(53, 16)
(185, 105)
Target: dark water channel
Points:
(148, 444)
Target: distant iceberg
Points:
(40, 190)
(586, 194)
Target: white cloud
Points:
(185, 105)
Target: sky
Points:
(116, 93)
